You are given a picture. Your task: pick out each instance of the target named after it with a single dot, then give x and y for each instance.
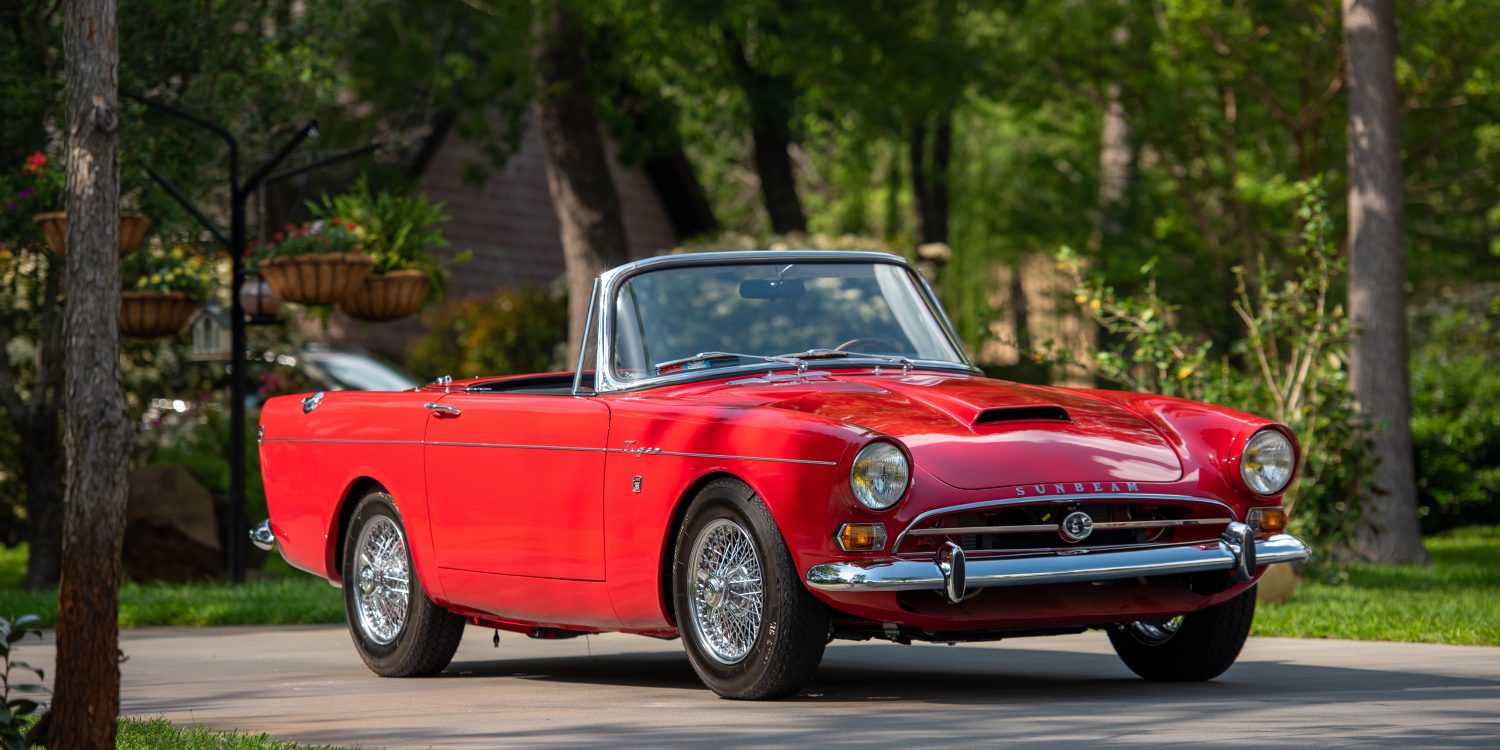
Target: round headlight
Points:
(1268, 462)
(880, 475)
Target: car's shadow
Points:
(972, 676)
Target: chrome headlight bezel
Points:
(1268, 462)
(880, 475)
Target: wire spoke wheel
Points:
(382, 585)
(728, 592)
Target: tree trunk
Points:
(929, 176)
(1116, 168)
(97, 429)
(1389, 532)
(42, 470)
(770, 98)
(578, 176)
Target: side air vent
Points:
(1022, 414)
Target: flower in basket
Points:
(169, 269)
(396, 230)
(38, 186)
(322, 237)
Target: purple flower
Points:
(24, 194)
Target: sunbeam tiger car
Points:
(761, 452)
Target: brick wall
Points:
(510, 226)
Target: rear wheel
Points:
(397, 630)
(751, 630)
(1190, 648)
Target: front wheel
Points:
(1190, 648)
(752, 631)
(397, 630)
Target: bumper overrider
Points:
(1237, 552)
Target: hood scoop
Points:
(1030, 413)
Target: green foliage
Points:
(16, 712)
(169, 268)
(200, 444)
(336, 235)
(285, 596)
(29, 188)
(514, 331)
(1450, 600)
(395, 229)
(1291, 366)
(1455, 377)
(159, 734)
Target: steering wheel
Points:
(865, 344)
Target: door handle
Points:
(442, 409)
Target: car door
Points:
(514, 484)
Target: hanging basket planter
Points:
(316, 279)
(55, 227)
(387, 296)
(146, 315)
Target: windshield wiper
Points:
(810, 354)
(706, 357)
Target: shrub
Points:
(518, 330)
(1291, 366)
(16, 713)
(1455, 379)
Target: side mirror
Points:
(772, 288)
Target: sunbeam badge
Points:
(1076, 527)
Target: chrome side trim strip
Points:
(811, 461)
(355, 441)
(517, 446)
(928, 575)
(1044, 499)
(514, 446)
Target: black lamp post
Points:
(234, 242)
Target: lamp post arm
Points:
(260, 174)
(319, 164)
(191, 207)
(182, 115)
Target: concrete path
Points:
(307, 684)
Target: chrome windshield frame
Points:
(609, 283)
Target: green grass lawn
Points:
(158, 734)
(281, 595)
(1456, 599)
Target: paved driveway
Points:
(306, 683)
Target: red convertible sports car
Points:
(764, 451)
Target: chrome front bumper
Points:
(952, 574)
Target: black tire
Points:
(793, 626)
(429, 635)
(1204, 645)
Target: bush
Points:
(520, 330)
(1291, 366)
(1455, 425)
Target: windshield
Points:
(666, 318)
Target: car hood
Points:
(972, 432)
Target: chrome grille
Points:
(1033, 525)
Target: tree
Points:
(1378, 372)
(97, 429)
(578, 176)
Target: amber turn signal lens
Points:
(861, 537)
(1268, 520)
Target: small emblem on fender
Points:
(635, 484)
(1076, 527)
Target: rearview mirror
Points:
(772, 288)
